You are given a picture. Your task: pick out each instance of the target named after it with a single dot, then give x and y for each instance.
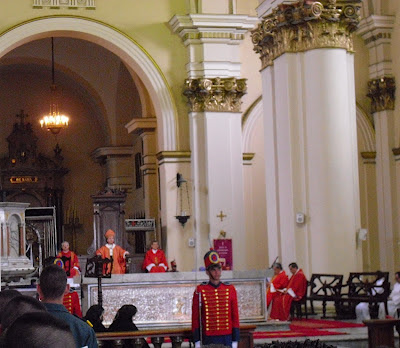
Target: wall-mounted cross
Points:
(221, 216)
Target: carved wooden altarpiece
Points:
(30, 177)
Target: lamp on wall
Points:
(54, 121)
(182, 200)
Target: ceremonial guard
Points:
(215, 315)
(71, 302)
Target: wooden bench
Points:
(157, 337)
(325, 288)
(359, 287)
(362, 287)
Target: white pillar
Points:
(310, 139)
(376, 31)
(214, 93)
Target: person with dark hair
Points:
(38, 330)
(278, 282)
(295, 291)
(18, 306)
(123, 321)
(94, 317)
(155, 260)
(52, 288)
(5, 296)
(215, 314)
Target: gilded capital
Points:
(216, 94)
(306, 25)
(381, 92)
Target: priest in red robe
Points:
(118, 254)
(70, 260)
(278, 282)
(155, 260)
(295, 291)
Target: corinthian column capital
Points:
(306, 25)
(217, 94)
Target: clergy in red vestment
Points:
(277, 283)
(155, 260)
(70, 260)
(118, 254)
(295, 291)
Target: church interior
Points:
(287, 140)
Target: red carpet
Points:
(292, 333)
(321, 324)
(308, 327)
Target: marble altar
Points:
(165, 299)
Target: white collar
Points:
(154, 250)
(110, 246)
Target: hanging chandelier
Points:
(54, 121)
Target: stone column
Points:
(369, 220)
(214, 90)
(310, 133)
(146, 128)
(376, 32)
(118, 161)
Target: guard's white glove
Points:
(234, 344)
(197, 344)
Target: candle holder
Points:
(182, 200)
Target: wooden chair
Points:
(296, 308)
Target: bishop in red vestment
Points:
(70, 260)
(295, 291)
(155, 260)
(118, 254)
(278, 282)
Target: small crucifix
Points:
(221, 216)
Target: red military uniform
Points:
(71, 302)
(282, 302)
(279, 281)
(219, 312)
(158, 259)
(71, 263)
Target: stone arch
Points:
(365, 131)
(131, 53)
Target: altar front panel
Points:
(170, 302)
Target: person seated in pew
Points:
(362, 309)
(123, 321)
(94, 317)
(393, 300)
(278, 282)
(38, 330)
(155, 260)
(294, 291)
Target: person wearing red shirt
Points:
(155, 260)
(295, 291)
(215, 306)
(70, 260)
(278, 282)
(71, 302)
(115, 251)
